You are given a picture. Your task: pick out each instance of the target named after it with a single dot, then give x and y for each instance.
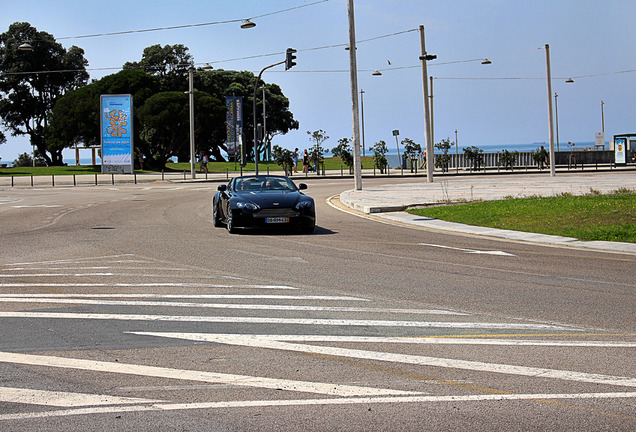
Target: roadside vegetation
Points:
(331, 163)
(594, 216)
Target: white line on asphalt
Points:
(289, 321)
(323, 402)
(136, 285)
(437, 340)
(534, 372)
(193, 296)
(64, 399)
(56, 274)
(470, 251)
(76, 260)
(7, 299)
(199, 376)
(37, 206)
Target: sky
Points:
(495, 106)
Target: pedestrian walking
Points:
(305, 162)
(295, 157)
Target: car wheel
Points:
(229, 223)
(307, 229)
(216, 219)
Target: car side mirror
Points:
(302, 186)
(222, 188)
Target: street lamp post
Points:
(254, 113)
(602, 119)
(362, 112)
(456, 154)
(353, 72)
(191, 101)
(550, 118)
(556, 118)
(430, 156)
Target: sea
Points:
(392, 155)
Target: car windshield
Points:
(264, 183)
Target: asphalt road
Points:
(122, 308)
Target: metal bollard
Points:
(74, 182)
(113, 179)
(95, 179)
(53, 180)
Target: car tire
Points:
(307, 229)
(216, 217)
(229, 223)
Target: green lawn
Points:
(610, 217)
(331, 163)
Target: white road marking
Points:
(56, 274)
(437, 340)
(37, 206)
(7, 299)
(192, 296)
(289, 321)
(200, 376)
(64, 399)
(322, 402)
(534, 372)
(137, 285)
(470, 251)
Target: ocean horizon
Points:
(392, 155)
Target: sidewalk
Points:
(389, 201)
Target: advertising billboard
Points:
(619, 150)
(234, 125)
(116, 124)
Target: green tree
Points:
(166, 125)
(474, 156)
(27, 97)
(283, 157)
(221, 83)
(343, 151)
(508, 159)
(75, 117)
(411, 150)
(170, 63)
(25, 160)
(317, 154)
(442, 160)
(379, 155)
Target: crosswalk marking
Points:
(317, 402)
(200, 376)
(6, 299)
(64, 399)
(268, 342)
(290, 321)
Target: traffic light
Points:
(289, 59)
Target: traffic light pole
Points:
(256, 149)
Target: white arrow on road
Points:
(471, 251)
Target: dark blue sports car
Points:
(263, 201)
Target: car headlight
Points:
(303, 205)
(247, 206)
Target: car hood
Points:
(266, 199)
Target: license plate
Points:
(276, 220)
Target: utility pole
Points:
(430, 156)
(550, 115)
(353, 71)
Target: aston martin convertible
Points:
(263, 201)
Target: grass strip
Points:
(608, 217)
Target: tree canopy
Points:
(33, 80)
(43, 93)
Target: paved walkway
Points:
(389, 201)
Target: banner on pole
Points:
(233, 125)
(116, 124)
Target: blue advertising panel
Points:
(116, 123)
(233, 124)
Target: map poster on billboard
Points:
(619, 150)
(116, 123)
(233, 125)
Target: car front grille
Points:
(276, 212)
